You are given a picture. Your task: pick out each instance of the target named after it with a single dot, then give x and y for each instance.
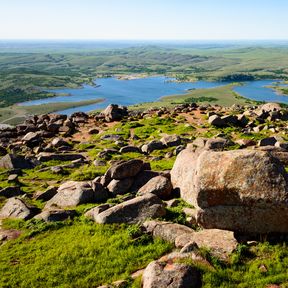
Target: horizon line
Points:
(145, 39)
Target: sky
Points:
(144, 19)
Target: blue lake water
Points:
(129, 92)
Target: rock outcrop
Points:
(234, 190)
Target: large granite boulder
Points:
(125, 169)
(133, 211)
(159, 185)
(234, 184)
(73, 193)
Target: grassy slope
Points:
(223, 96)
(81, 254)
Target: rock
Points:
(126, 169)
(159, 274)
(100, 193)
(113, 112)
(199, 142)
(12, 178)
(245, 142)
(151, 146)
(58, 142)
(15, 208)
(52, 215)
(159, 185)
(13, 161)
(133, 211)
(120, 187)
(166, 230)
(217, 143)
(221, 243)
(8, 234)
(269, 141)
(142, 178)
(99, 163)
(216, 120)
(230, 120)
(92, 213)
(267, 107)
(11, 191)
(93, 131)
(45, 156)
(171, 140)
(31, 139)
(130, 149)
(216, 181)
(46, 195)
(245, 219)
(72, 193)
(111, 137)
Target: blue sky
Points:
(144, 19)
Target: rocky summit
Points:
(188, 193)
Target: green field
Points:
(223, 95)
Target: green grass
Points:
(244, 270)
(82, 254)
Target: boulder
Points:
(268, 107)
(166, 230)
(100, 192)
(113, 112)
(269, 141)
(151, 146)
(52, 215)
(133, 211)
(45, 156)
(58, 142)
(217, 143)
(125, 169)
(159, 185)
(72, 193)
(120, 187)
(92, 213)
(221, 243)
(160, 274)
(142, 178)
(31, 139)
(16, 208)
(216, 120)
(130, 149)
(13, 161)
(242, 181)
(46, 195)
(171, 140)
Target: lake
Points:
(129, 92)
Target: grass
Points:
(245, 268)
(81, 254)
